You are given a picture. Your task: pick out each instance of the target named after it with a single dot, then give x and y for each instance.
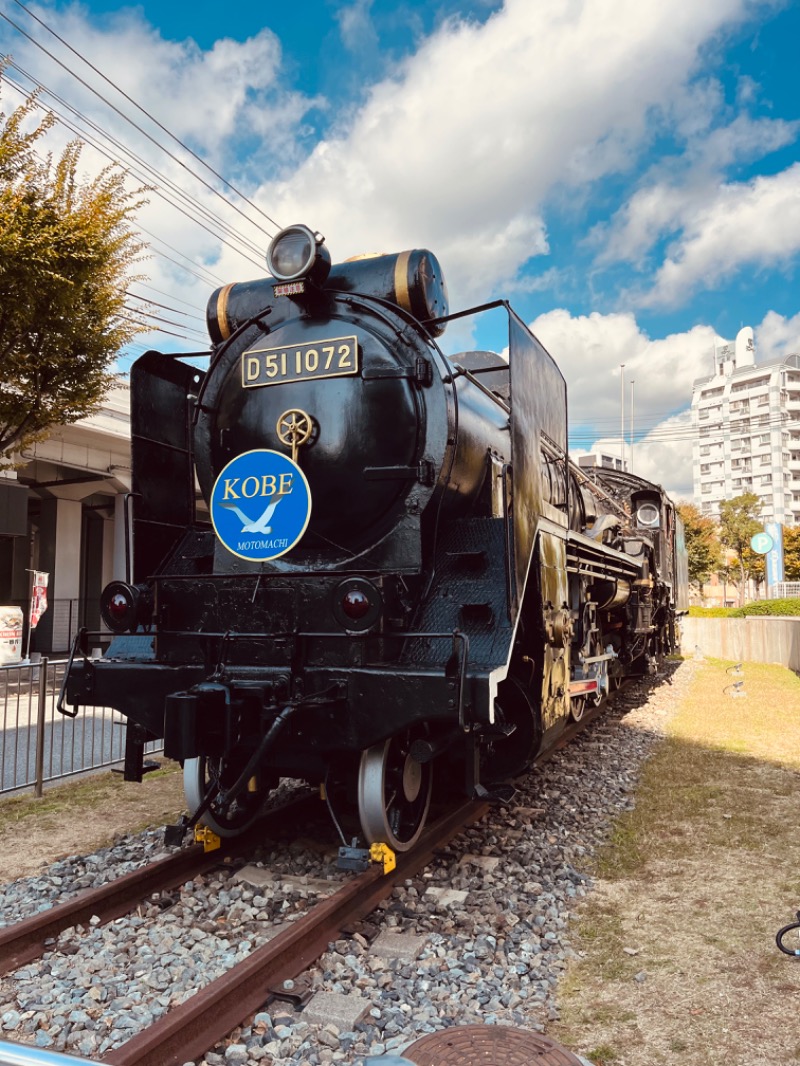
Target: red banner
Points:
(38, 596)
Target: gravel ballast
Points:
(492, 913)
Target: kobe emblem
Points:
(260, 505)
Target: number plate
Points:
(319, 359)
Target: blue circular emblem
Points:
(260, 505)
(762, 543)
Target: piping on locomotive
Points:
(402, 576)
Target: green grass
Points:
(696, 878)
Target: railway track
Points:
(191, 1028)
(27, 940)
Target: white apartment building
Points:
(746, 418)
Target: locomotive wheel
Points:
(577, 708)
(509, 756)
(394, 793)
(240, 815)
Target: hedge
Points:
(775, 608)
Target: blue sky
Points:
(625, 171)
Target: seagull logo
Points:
(261, 525)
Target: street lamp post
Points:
(622, 414)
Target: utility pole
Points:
(622, 414)
(630, 453)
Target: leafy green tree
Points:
(755, 567)
(738, 520)
(67, 245)
(702, 544)
(791, 552)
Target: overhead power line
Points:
(585, 435)
(165, 307)
(169, 191)
(153, 119)
(135, 125)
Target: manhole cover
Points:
(488, 1045)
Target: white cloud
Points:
(777, 337)
(667, 207)
(228, 102)
(664, 456)
(205, 97)
(356, 27)
(589, 350)
(754, 224)
(460, 148)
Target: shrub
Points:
(779, 608)
(775, 608)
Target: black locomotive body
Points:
(402, 573)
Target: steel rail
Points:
(196, 1025)
(24, 941)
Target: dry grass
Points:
(680, 961)
(83, 815)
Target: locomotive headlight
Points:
(648, 515)
(298, 252)
(357, 604)
(123, 607)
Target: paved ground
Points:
(95, 738)
(71, 745)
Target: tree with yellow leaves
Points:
(67, 245)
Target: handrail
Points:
(25, 1055)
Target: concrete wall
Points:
(755, 639)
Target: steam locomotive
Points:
(360, 562)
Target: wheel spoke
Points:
(393, 794)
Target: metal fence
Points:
(39, 745)
(784, 590)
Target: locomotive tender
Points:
(400, 575)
